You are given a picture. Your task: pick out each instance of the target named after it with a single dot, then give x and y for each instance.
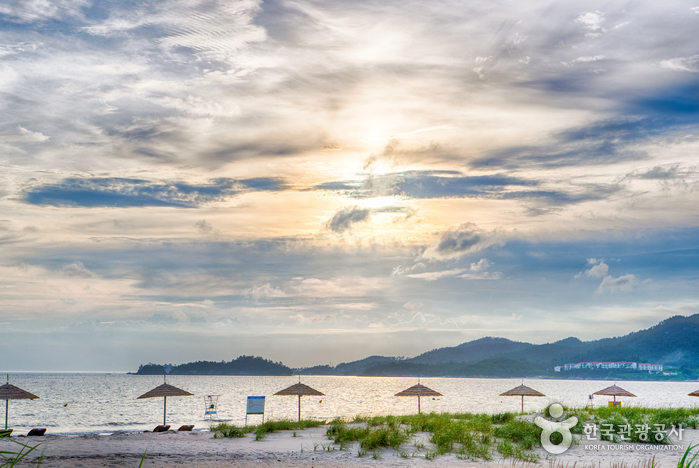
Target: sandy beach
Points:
(309, 448)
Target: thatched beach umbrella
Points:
(694, 393)
(300, 390)
(522, 391)
(418, 390)
(10, 392)
(164, 391)
(615, 392)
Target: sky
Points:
(315, 182)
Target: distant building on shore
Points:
(611, 365)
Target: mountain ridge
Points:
(673, 341)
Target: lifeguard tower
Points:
(210, 407)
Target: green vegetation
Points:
(469, 436)
(11, 458)
(261, 430)
(482, 436)
(686, 462)
(243, 365)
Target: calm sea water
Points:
(103, 403)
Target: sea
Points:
(75, 403)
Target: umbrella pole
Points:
(7, 410)
(299, 407)
(522, 403)
(164, 411)
(418, 404)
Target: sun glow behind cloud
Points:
(329, 169)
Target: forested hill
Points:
(244, 365)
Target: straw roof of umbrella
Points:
(165, 390)
(522, 390)
(300, 390)
(694, 393)
(10, 392)
(615, 392)
(418, 390)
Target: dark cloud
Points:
(426, 184)
(123, 192)
(346, 217)
(660, 173)
(456, 243)
(462, 240)
(452, 184)
(667, 114)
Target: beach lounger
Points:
(37, 432)
(186, 428)
(161, 428)
(5, 432)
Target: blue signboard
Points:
(256, 405)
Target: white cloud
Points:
(592, 21)
(595, 58)
(623, 283)
(77, 270)
(689, 64)
(597, 271)
(482, 275)
(401, 270)
(435, 275)
(39, 10)
(482, 264)
(264, 291)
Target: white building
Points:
(650, 367)
(609, 365)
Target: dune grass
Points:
(469, 436)
(478, 436)
(261, 430)
(10, 458)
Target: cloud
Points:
(77, 270)
(435, 275)
(466, 239)
(595, 58)
(611, 285)
(482, 264)
(427, 184)
(592, 20)
(688, 64)
(204, 227)
(344, 218)
(264, 291)
(41, 10)
(401, 270)
(597, 271)
(123, 192)
(482, 275)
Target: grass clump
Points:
(10, 458)
(526, 434)
(261, 430)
